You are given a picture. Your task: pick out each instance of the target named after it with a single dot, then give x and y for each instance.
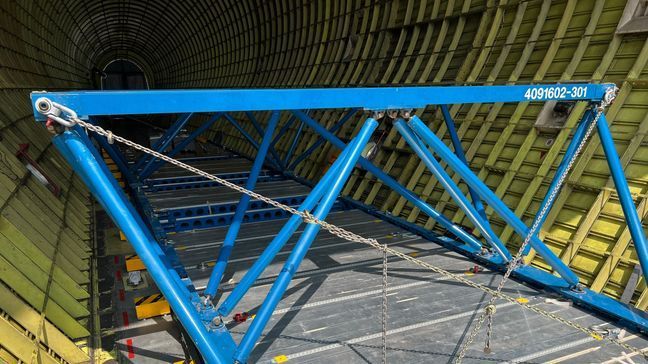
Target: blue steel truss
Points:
(197, 313)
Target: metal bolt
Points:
(579, 288)
(217, 321)
(406, 114)
(378, 114)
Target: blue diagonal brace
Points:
(303, 244)
(147, 171)
(484, 192)
(462, 201)
(284, 129)
(232, 232)
(163, 143)
(243, 132)
(259, 130)
(321, 139)
(458, 148)
(281, 238)
(293, 144)
(621, 184)
(467, 238)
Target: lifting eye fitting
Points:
(53, 111)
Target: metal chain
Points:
(347, 235)
(384, 305)
(518, 259)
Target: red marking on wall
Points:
(125, 318)
(121, 294)
(116, 259)
(118, 274)
(131, 351)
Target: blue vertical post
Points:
(147, 171)
(301, 248)
(627, 204)
(259, 129)
(84, 161)
(237, 220)
(470, 240)
(458, 148)
(454, 191)
(165, 140)
(569, 154)
(469, 177)
(280, 239)
(321, 139)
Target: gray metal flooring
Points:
(216, 195)
(331, 311)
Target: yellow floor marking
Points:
(280, 359)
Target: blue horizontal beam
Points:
(219, 208)
(91, 103)
(224, 219)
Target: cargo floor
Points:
(331, 311)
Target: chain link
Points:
(518, 259)
(384, 305)
(350, 236)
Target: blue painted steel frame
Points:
(91, 103)
(214, 342)
(498, 205)
(186, 182)
(453, 228)
(471, 212)
(621, 184)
